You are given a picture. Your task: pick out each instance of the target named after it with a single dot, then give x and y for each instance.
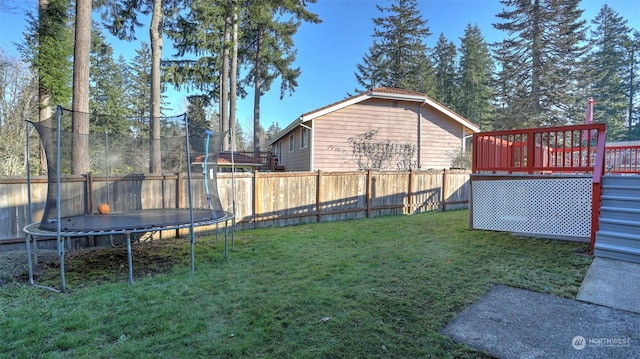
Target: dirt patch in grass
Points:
(94, 264)
(14, 267)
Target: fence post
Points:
(319, 196)
(410, 192)
(88, 189)
(256, 197)
(444, 190)
(531, 153)
(179, 195)
(369, 190)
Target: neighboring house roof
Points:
(622, 144)
(380, 93)
(224, 160)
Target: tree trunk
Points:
(44, 112)
(257, 92)
(155, 34)
(224, 86)
(536, 67)
(631, 75)
(44, 100)
(80, 123)
(234, 79)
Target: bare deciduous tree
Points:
(18, 102)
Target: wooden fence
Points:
(262, 199)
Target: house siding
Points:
(432, 131)
(397, 122)
(441, 139)
(300, 158)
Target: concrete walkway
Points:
(517, 323)
(612, 283)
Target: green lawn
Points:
(382, 287)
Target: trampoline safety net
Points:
(122, 159)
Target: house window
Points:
(304, 138)
(279, 151)
(291, 143)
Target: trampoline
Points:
(133, 221)
(130, 212)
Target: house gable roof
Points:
(379, 93)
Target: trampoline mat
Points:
(136, 220)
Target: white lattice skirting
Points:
(555, 207)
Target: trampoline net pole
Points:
(60, 238)
(192, 237)
(233, 191)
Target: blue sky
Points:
(328, 52)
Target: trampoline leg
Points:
(226, 236)
(63, 282)
(233, 231)
(29, 263)
(34, 247)
(193, 250)
(129, 259)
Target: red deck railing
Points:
(622, 159)
(565, 149)
(575, 149)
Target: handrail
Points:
(596, 188)
(598, 170)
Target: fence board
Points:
(343, 196)
(259, 199)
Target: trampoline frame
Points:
(33, 231)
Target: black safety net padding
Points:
(119, 154)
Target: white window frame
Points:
(292, 143)
(279, 152)
(304, 138)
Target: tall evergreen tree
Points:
(566, 35)
(107, 89)
(269, 46)
(139, 90)
(206, 32)
(444, 59)
(632, 85)
(370, 73)
(537, 61)
(244, 140)
(121, 19)
(197, 114)
(265, 45)
(197, 36)
(397, 57)
(607, 70)
(510, 94)
(48, 46)
(272, 131)
(475, 78)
